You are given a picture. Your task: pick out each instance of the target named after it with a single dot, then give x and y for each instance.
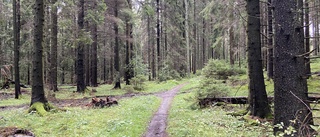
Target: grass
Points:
(213, 122)
(24, 99)
(129, 118)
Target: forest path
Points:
(158, 124)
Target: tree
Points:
(38, 99)
(258, 100)
(94, 58)
(290, 85)
(270, 40)
(116, 48)
(80, 50)
(16, 37)
(54, 47)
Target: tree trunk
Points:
(290, 85)
(37, 62)
(94, 48)
(307, 37)
(16, 37)
(187, 36)
(232, 44)
(270, 40)
(258, 100)
(195, 35)
(54, 47)
(80, 50)
(116, 49)
(158, 37)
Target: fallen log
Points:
(203, 102)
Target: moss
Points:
(39, 107)
(43, 108)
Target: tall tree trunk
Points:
(232, 44)
(258, 100)
(54, 47)
(37, 61)
(116, 49)
(16, 37)
(195, 36)
(307, 36)
(94, 57)
(290, 85)
(270, 40)
(158, 37)
(80, 50)
(187, 36)
(87, 53)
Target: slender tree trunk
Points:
(232, 45)
(270, 40)
(37, 61)
(80, 50)
(195, 35)
(116, 49)
(307, 36)
(94, 49)
(187, 35)
(158, 37)
(54, 47)
(16, 37)
(290, 85)
(258, 101)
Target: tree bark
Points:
(16, 37)
(37, 61)
(258, 100)
(116, 49)
(307, 37)
(270, 40)
(54, 47)
(94, 49)
(80, 50)
(290, 85)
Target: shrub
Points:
(212, 88)
(219, 69)
(167, 73)
(138, 82)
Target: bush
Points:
(138, 82)
(219, 69)
(167, 73)
(212, 88)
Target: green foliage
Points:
(210, 88)
(138, 82)
(219, 69)
(167, 73)
(139, 67)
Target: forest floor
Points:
(156, 127)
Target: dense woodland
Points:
(47, 43)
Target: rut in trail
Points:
(158, 124)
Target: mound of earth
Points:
(15, 132)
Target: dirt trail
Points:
(158, 124)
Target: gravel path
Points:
(158, 124)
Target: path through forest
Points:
(158, 124)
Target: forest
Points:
(150, 68)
